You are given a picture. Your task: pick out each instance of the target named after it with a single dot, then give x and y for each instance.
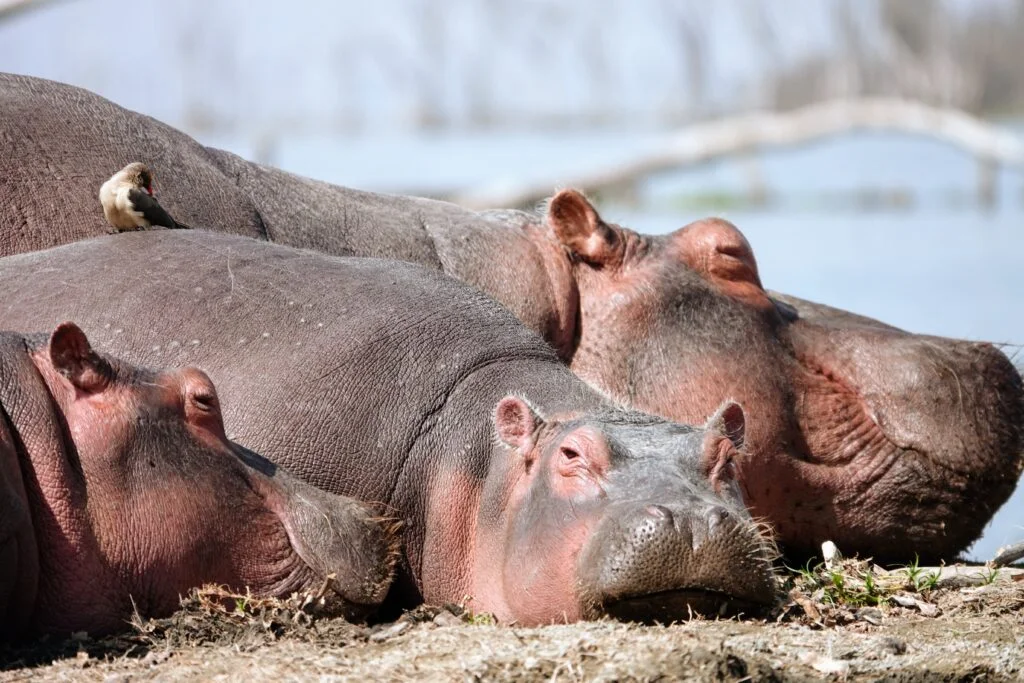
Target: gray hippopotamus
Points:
(888, 443)
(516, 483)
(119, 491)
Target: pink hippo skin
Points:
(119, 492)
(889, 443)
(516, 483)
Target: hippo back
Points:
(319, 359)
(65, 141)
(61, 143)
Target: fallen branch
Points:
(747, 133)
(1008, 554)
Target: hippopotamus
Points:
(515, 483)
(888, 443)
(119, 491)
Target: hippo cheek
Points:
(225, 516)
(524, 565)
(689, 388)
(540, 579)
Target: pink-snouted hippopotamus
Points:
(119, 491)
(516, 483)
(889, 443)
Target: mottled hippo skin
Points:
(515, 482)
(120, 491)
(889, 443)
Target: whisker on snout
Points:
(767, 548)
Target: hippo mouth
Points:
(682, 604)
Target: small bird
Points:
(129, 204)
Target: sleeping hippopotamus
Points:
(119, 491)
(888, 443)
(516, 483)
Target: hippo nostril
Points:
(716, 516)
(659, 512)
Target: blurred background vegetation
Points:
(220, 65)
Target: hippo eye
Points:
(205, 402)
(570, 453)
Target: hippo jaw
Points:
(343, 547)
(913, 442)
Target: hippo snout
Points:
(665, 562)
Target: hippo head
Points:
(620, 513)
(888, 443)
(136, 496)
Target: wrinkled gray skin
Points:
(516, 483)
(119, 492)
(888, 443)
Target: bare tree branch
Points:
(1008, 555)
(752, 132)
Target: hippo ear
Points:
(725, 432)
(516, 421)
(729, 421)
(578, 226)
(73, 357)
(720, 253)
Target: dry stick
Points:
(760, 130)
(1008, 554)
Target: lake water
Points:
(941, 267)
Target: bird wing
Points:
(150, 209)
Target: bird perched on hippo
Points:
(890, 444)
(129, 203)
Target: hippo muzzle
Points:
(911, 442)
(667, 562)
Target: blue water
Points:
(941, 267)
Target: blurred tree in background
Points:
(321, 65)
(963, 55)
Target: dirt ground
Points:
(849, 621)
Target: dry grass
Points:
(834, 623)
